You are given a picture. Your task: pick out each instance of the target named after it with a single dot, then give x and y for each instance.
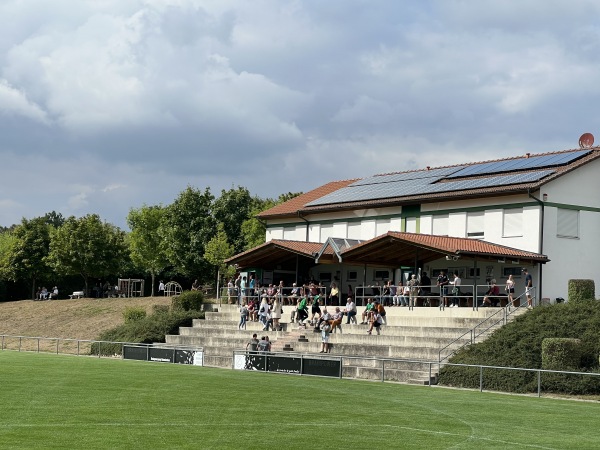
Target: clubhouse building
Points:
(484, 220)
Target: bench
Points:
(76, 294)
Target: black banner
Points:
(163, 354)
(293, 364)
(322, 367)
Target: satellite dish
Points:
(586, 140)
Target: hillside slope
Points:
(75, 319)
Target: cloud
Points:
(106, 105)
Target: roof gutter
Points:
(541, 246)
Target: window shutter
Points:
(567, 223)
(475, 224)
(513, 222)
(440, 225)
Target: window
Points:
(475, 224)
(382, 226)
(289, 233)
(352, 275)
(326, 232)
(325, 276)
(514, 271)
(382, 275)
(411, 224)
(440, 225)
(474, 272)
(567, 225)
(512, 224)
(354, 230)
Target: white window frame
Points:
(567, 223)
(512, 222)
(476, 225)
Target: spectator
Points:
(350, 311)
(397, 298)
(425, 284)
(230, 291)
(334, 294)
(455, 291)
(386, 297)
(243, 316)
(315, 310)
(326, 317)
(276, 313)
(253, 343)
(366, 315)
(381, 311)
(376, 321)
(336, 320)
(442, 282)
(264, 344)
(491, 297)
(54, 294)
(510, 290)
(161, 288)
(252, 313)
(405, 295)
(528, 288)
(44, 294)
(413, 286)
(325, 330)
(302, 312)
(263, 311)
(195, 286)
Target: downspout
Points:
(307, 223)
(541, 246)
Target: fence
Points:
(81, 347)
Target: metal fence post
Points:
(539, 383)
(78, 341)
(341, 366)
(38, 345)
(20, 338)
(382, 370)
(480, 378)
(430, 374)
(301, 363)
(57, 344)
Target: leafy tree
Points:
(187, 227)
(217, 251)
(145, 241)
(26, 257)
(254, 230)
(87, 247)
(55, 219)
(7, 242)
(231, 209)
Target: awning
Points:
(274, 252)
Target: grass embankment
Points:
(71, 319)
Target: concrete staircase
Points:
(415, 336)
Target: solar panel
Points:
(403, 176)
(533, 162)
(409, 187)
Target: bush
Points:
(561, 353)
(581, 290)
(160, 309)
(147, 330)
(519, 344)
(134, 314)
(188, 301)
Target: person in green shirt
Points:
(302, 313)
(366, 315)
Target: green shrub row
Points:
(561, 354)
(146, 330)
(188, 301)
(519, 344)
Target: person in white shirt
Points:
(161, 288)
(350, 311)
(455, 291)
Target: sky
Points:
(107, 105)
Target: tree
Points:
(26, 257)
(7, 242)
(187, 227)
(217, 251)
(231, 209)
(87, 247)
(145, 241)
(253, 229)
(55, 219)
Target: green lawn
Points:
(50, 401)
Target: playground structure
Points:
(130, 287)
(172, 288)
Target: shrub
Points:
(134, 314)
(160, 309)
(147, 330)
(581, 290)
(519, 344)
(561, 353)
(188, 301)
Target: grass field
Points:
(51, 401)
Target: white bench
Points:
(76, 294)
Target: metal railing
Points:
(381, 369)
(492, 322)
(77, 347)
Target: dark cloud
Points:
(109, 105)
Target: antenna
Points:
(586, 140)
